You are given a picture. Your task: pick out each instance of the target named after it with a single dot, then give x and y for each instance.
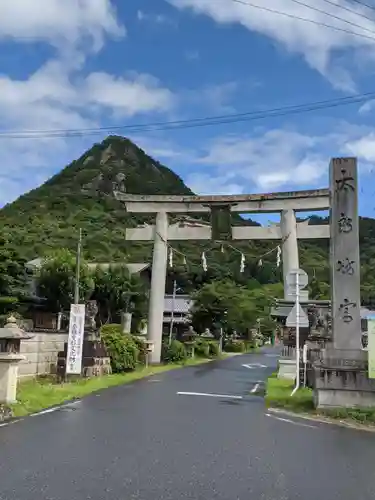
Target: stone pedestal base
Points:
(341, 398)
(341, 380)
(8, 376)
(95, 360)
(287, 369)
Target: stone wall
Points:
(41, 353)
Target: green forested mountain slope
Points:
(80, 196)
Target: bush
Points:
(142, 348)
(249, 345)
(121, 348)
(202, 348)
(235, 346)
(174, 353)
(214, 350)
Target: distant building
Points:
(32, 267)
(180, 306)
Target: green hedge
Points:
(204, 348)
(122, 349)
(238, 346)
(174, 353)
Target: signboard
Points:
(75, 339)
(221, 222)
(291, 320)
(291, 294)
(371, 346)
(291, 278)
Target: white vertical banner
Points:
(75, 340)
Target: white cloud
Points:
(127, 97)
(205, 184)
(317, 44)
(367, 107)
(364, 147)
(60, 22)
(53, 98)
(273, 160)
(213, 98)
(154, 18)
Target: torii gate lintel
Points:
(288, 231)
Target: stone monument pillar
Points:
(290, 244)
(159, 273)
(344, 249)
(341, 371)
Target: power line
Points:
(304, 19)
(194, 123)
(303, 4)
(363, 4)
(342, 7)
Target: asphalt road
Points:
(144, 441)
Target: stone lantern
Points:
(10, 343)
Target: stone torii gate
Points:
(220, 207)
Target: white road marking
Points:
(255, 388)
(43, 412)
(287, 420)
(226, 396)
(272, 355)
(4, 425)
(252, 366)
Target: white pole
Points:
(172, 312)
(297, 335)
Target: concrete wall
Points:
(41, 353)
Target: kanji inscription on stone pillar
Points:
(344, 254)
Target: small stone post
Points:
(10, 339)
(126, 322)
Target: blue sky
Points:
(78, 64)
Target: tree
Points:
(56, 280)
(116, 291)
(12, 277)
(232, 306)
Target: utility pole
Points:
(78, 265)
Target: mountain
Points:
(80, 196)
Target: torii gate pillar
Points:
(158, 279)
(289, 244)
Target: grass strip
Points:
(42, 393)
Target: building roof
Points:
(181, 304)
(132, 267)
(284, 310)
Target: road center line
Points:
(255, 388)
(288, 421)
(253, 366)
(226, 396)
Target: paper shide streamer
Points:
(204, 262)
